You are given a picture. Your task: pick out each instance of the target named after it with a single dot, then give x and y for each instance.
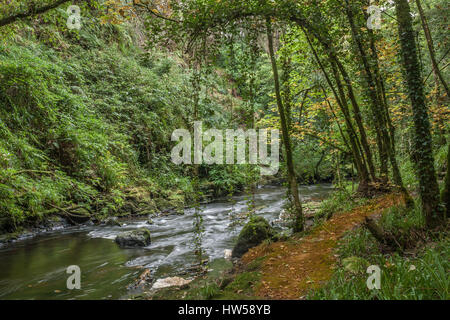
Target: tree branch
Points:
(31, 12)
(152, 11)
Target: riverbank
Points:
(330, 260)
(110, 272)
(225, 280)
(289, 269)
(61, 220)
(136, 206)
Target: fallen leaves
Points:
(309, 263)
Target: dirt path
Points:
(292, 268)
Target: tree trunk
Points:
(299, 221)
(341, 101)
(330, 51)
(372, 89)
(428, 186)
(380, 83)
(32, 11)
(379, 234)
(360, 161)
(335, 118)
(358, 117)
(435, 67)
(446, 191)
(287, 91)
(430, 45)
(377, 108)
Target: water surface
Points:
(36, 268)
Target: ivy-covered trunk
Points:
(377, 107)
(371, 89)
(429, 189)
(434, 63)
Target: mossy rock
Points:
(112, 222)
(147, 208)
(254, 232)
(129, 208)
(177, 201)
(136, 238)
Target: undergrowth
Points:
(86, 119)
(417, 273)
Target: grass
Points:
(416, 274)
(341, 200)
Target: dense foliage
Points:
(86, 116)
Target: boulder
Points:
(254, 232)
(135, 238)
(113, 222)
(170, 282)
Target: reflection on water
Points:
(36, 268)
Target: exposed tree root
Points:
(382, 236)
(75, 214)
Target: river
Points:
(36, 268)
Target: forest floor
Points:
(289, 269)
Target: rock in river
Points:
(228, 254)
(113, 222)
(135, 238)
(254, 232)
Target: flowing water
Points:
(36, 268)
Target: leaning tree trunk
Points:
(358, 116)
(438, 77)
(380, 86)
(361, 168)
(430, 45)
(371, 89)
(299, 221)
(377, 107)
(287, 91)
(331, 52)
(429, 189)
(360, 161)
(446, 192)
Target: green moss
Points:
(255, 264)
(254, 232)
(244, 282)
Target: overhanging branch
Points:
(31, 12)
